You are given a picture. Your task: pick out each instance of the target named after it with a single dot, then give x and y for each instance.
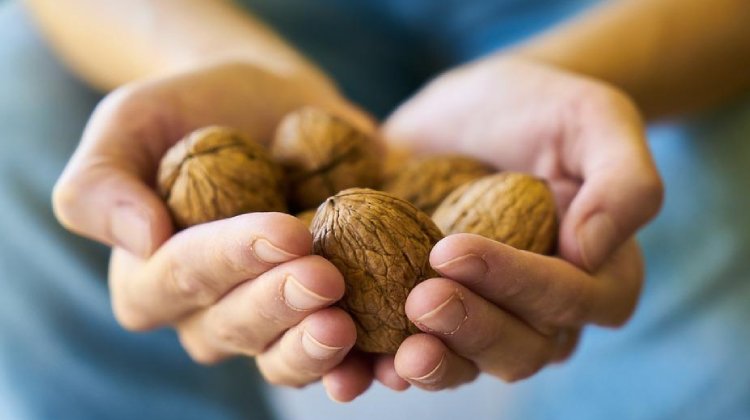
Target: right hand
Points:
(241, 286)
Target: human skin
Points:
(563, 106)
(564, 114)
(246, 78)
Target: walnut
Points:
(513, 208)
(322, 155)
(381, 244)
(427, 181)
(215, 173)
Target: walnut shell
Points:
(513, 208)
(381, 244)
(322, 155)
(427, 181)
(214, 173)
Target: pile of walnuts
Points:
(327, 172)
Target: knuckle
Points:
(520, 372)
(188, 286)
(235, 335)
(271, 376)
(529, 365)
(204, 356)
(593, 98)
(140, 109)
(511, 286)
(565, 346)
(198, 351)
(239, 260)
(130, 318)
(484, 344)
(618, 321)
(304, 374)
(123, 102)
(619, 318)
(64, 197)
(275, 377)
(572, 308)
(270, 318)
(609, 96)
(569, 314)
(278, 380)
(72, 194)
(651, 192)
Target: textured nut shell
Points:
(513, 208)
(427, 181)
(381, 244)
(215, 173)
(322, 155)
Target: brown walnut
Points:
(381, 244)
(427, 181)
(322, 155)
(214, 173)
(513, 208)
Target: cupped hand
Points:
(242, 286)
(106, 190)
(508, 312)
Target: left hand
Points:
(497, 309)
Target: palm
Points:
(526, 117)
(249, 98)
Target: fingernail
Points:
(465, 267)
(447, 318)
(299, 297)
(131, 230)
(434, 375)
(595, 239)
(269, 253)
(316, 349)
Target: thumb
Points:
(621, 192)
(104, 191)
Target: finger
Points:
(103, 193)
(257, 312)
(566, 342)
(199, 265)
(476, 329)
(621, 188)
(304, 353)
(350, 379)
(544, 291)
(256, 101)
(385, 372)
(427, 363)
